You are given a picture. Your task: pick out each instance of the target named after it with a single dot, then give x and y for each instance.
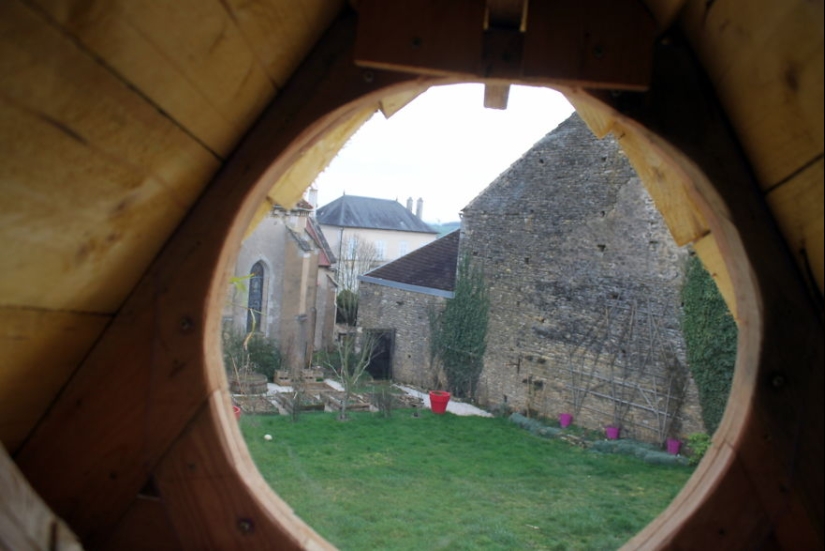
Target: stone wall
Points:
(584, 280)
(406, 312)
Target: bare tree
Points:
(358, 256)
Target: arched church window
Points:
(255, 303)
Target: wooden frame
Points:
(161, 421)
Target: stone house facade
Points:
(288, 295)
(387, 228)
(584, 281)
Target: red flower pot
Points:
(565, 419)
(438, 401)
(673, 446)
(612, 433)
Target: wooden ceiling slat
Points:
(188, 57)
(766, 63)
(268, 26)
(113, 159)
(798, 207)
(44, 348)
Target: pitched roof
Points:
(326, 258)
(351, 211)
(430, 269)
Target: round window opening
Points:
(591, 352)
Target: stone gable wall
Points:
(585, 282)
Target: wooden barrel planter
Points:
(247, 383)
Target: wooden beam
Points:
(502, 15)
(496, 95)
(41, 350)
(595, 43)
(430, 37)
(590, 43)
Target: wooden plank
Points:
(41, 350)
(77, 238)
(506, 14)
(496, 96)
(766, 64)
(187, 56)
(52, 226)
(426, 36)
(590, 43)
(26, 523)
(708, 251)
(282, 34)
(114, 120)
(798, 207)
(202, 481)
(290, 187)
(145, 526)
(392, 104)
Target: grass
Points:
(448, 482)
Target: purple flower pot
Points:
(612, 433)
(565, 419)
(673, 446)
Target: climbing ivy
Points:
(710, 336)
(458, 333)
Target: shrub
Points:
(698, 443)
(710, 336)
(256, 353)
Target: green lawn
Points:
(449, 482)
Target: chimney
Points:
(312, 198)
(409, 204)
(419, 208)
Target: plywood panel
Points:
(798, 207)
(765, 60)
(188, 57)
(282, 33)
(41, 349)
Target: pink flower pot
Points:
(673, 446)
(612, 433)
(565, 419)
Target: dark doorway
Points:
(380, 366)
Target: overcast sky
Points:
(444, 147)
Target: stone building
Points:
(288, 295)
(584, 280)
(395, 301)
